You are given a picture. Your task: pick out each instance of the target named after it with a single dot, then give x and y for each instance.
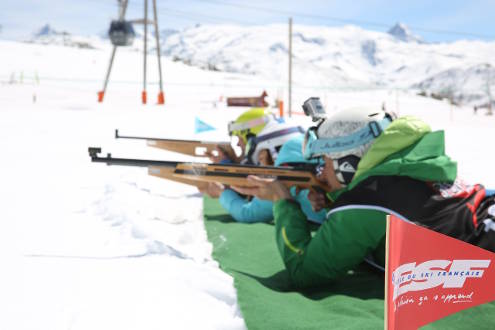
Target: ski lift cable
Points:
(186, 14)
(200, 18)
(343, 20)
(189, 18)
(313, 16)
(213, 18)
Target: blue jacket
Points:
(257, 210)
(242, 210)
(291, 152)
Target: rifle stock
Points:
(236, 175)
(188, 147)
(167, 173)
(200, 174)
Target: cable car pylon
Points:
(122, 33)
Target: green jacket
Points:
(407, 148)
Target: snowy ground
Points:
(86, 246)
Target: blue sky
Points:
(19, 18)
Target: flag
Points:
(201, 126)
(430, 275)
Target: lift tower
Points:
(122, 33)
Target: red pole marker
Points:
(281, 108)
(161, 98)
(101, 94)
(143, 97)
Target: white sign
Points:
(432, 273)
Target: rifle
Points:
(158, 168)
(302, 176)
(188, 147)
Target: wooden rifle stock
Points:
(236, 175)
(167, 173)
(188, 147)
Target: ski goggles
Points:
(317, 147)
(241, 129)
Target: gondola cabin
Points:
(121, 33)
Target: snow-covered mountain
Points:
(402, 32)
(331, 57)
(346, 57)
(462, 85)
(47, 30)
(47, 35)
(166, 33)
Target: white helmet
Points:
(345, 137)
(272, 137)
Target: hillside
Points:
(335, 57)
(324, 58)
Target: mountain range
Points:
(346, 57)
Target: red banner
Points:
(430, 275)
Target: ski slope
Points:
(89, 246)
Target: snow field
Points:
(88, 246)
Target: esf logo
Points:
(432, 273)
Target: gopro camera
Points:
(313, 108)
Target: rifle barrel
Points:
(118, 136)
(109, 160)
(240, 175)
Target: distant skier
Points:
(374, 166)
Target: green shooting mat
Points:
(267, 301)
